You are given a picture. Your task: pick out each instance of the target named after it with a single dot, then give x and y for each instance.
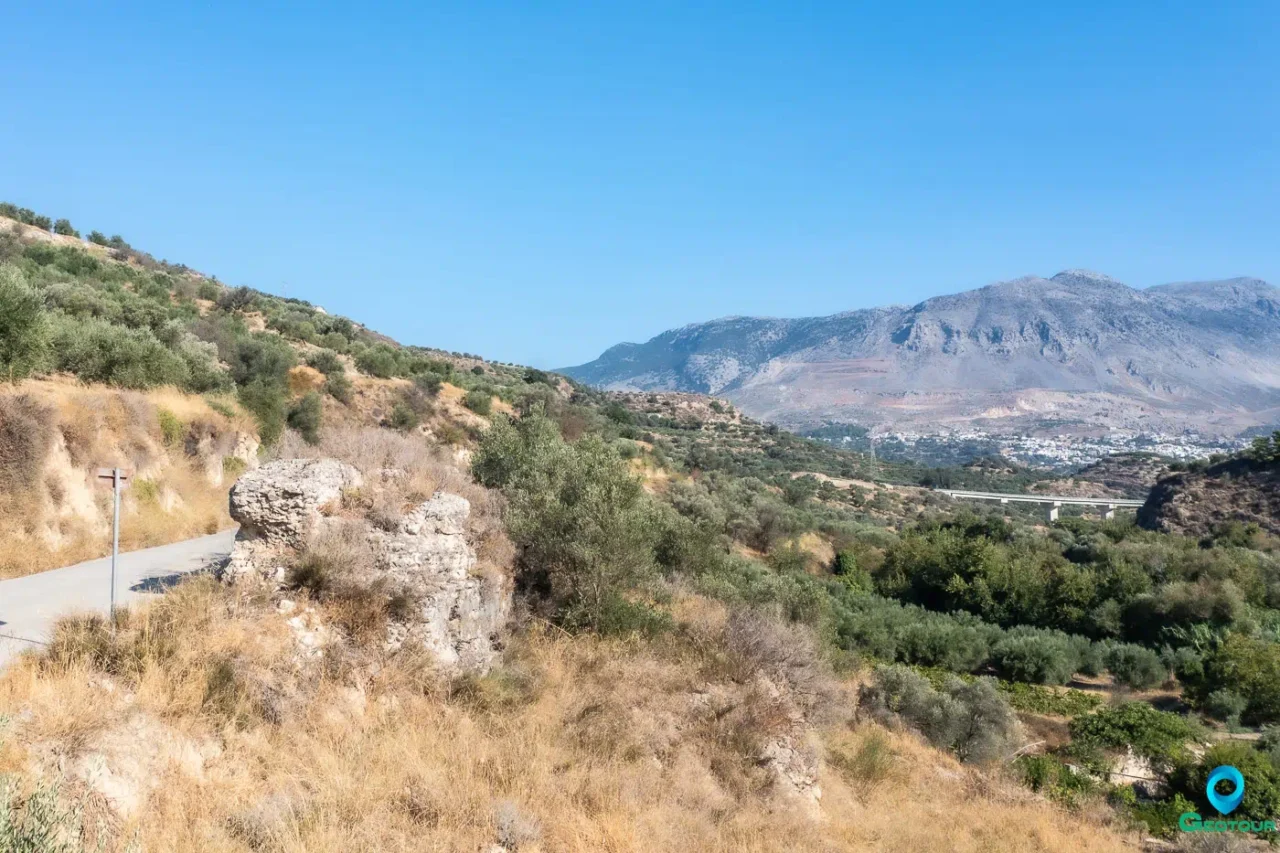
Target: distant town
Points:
(1056, 452)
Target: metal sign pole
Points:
(115, 539)
(119, 478)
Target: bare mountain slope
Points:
(1076, 350)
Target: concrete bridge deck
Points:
(1053, 502)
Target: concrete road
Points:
(29, 606)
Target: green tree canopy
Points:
(24, 331)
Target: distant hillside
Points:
(1226, 498)
(1076, 351)
(1129, 474)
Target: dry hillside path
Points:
(30, 605)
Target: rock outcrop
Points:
(425, 559)
(458, 614)
(126, 762)
(280, 502)
(278, 508)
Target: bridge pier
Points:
(1109, 513)
(1053, 511)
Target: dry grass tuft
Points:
(400, 472)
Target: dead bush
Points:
(400, 472)
(239, 692)
(787, 655)
(516, 830)
(26, 434)
(419, 803)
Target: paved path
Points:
(29, 606)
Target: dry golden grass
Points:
(303, 379)
(818, 550)
(570, 744)
(54, 513)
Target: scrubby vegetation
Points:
(692, 583)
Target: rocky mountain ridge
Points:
(1079, 350)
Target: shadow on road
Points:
(159, 583)
(163, 583)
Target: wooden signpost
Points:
(118, 478)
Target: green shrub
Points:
(618, 413)
(428, 383)
(334, 341)
(1266, 449)
(479, 401)
(403, 417)
(533, 375)
(379, 361)
(339, 387)
(1153, 734)
(1136, 667)
(1250, 667)
(237, 299)
(1261, 793)
(585, 528)
(97, 351)
(326, 361)
(1043, 700)
(971, 719)
(25, 215)
(38, 822)
(172, 429)
(1040, 658)
(305, 416)
(1226, 705)
(63, 227)
(1048, 775)
(259, 356)
(267, 402)
(24, 331)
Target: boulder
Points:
(280, 502)
(278, 508)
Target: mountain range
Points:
(1077, 352)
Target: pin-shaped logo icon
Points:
(1225, 803)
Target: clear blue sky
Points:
(536, 182)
